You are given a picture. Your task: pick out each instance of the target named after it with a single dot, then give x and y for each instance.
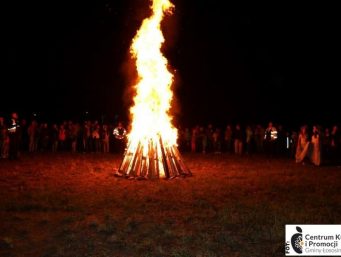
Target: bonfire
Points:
(152, 142)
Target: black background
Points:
(234, 63)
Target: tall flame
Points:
(152, 150)
(153, 98)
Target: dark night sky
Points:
(234, 63)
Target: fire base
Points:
(152, 160)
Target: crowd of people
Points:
(316, 145)
(87, 137)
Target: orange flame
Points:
(152, 102)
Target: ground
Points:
(71, 205)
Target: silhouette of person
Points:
(13, 133)
(120, 137)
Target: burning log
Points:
(155, 161)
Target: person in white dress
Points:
(302, 145)
(315, 147)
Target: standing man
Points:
(120, 138)
(270, 139)
(13, 133)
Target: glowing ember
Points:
(152, 148)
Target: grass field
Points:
(72, 205)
